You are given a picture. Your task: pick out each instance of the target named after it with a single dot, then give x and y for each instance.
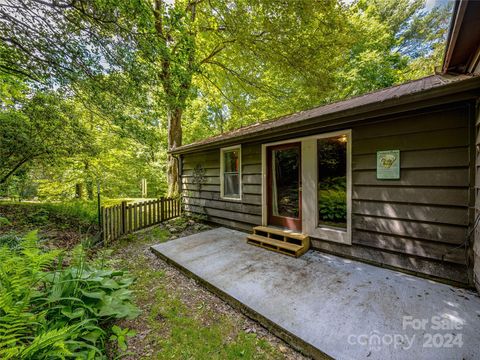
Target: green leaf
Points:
(110, 283)
(94, 294)
(77, 313)
(116, 329)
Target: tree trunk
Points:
(88, 181)
(89, 187)
(174, 118)
(79, 191)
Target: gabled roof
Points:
(427, 87)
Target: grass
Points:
(65, 214)
(181, 320)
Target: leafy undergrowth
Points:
(180, 319)
(57, 305)
(62, 225)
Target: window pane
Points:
(285, 182)
(231, 161)
(231, 185)
(332, 181)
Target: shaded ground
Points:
(61, 225)
(180, 319)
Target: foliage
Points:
(12, 241)
(120, 336)
(332, 205)
(42, 128)
(133, 79)
(49, 310)
(395, 41)
(75, 214)
(4, 221)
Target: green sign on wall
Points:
(388, 164)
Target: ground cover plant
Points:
(58, 305)
(178, 318)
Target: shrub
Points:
(73, 214)
(12, 241)
(4, 221)
(332, 205)
(51, 311)
(39, 217)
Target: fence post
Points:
(102, 224)
(124, 217)
(162, 199)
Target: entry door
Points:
(284, 179)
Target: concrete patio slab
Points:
(328, 305)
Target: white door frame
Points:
(310, 223)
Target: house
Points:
(388, 177)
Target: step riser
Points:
(274, 248)
(284, 242)
(279, 237)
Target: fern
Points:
(48, 311)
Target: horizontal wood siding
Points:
(476, 236)
(205, 199)
(417, 223)
(424, 214)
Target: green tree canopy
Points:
(155, 74)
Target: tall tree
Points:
(395, 41)
(42, 128)
(226, 64)
(171, 45)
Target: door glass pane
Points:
(285, 182)
(332, 181)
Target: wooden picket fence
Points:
(118, 220)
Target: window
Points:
(230, 173)
(332, 181)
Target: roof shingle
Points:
(379, 96)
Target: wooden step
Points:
(283, 235)
(289, 233)
(277, 245)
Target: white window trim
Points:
(222, 167)
(310, 224)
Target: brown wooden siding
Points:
(476, 237)
(206, 199)
(417, 223)
(425, 213)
